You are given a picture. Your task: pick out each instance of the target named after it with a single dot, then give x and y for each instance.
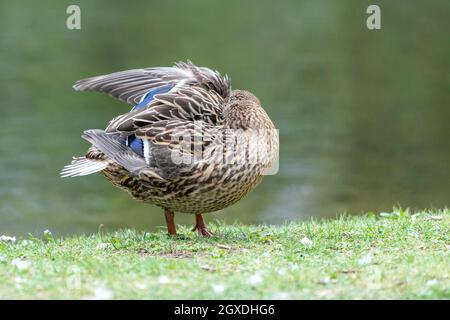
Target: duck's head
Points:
(243, 111)
(241, 96)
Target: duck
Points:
(190, 143)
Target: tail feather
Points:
(115, 149)
(82, 166)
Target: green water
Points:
(363, 115)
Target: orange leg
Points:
(201, 227)
(170, 223)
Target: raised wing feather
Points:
(187, 103)
(132, 85)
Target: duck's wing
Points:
(176, 146)
(172, 102)
(172, 149)
(188, 103)
(110, 147)
(134, 86)
(177, 125)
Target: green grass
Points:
(389, 256)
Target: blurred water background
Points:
(363, 115)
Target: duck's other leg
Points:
(201, 227)
(170, 222)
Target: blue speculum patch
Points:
(136, 144)
(133, 142)
(149, 96)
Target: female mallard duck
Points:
(190, 143)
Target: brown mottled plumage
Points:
(190, 144)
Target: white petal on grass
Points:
(385, 214)
(47, 232)
(102, 293)
(218, 288)
(306, 242)
(432, 282)
(103, 245)
(366, 259)
(281, 271)
(255, 279)
(26, 242)
(281, 295)
(324, 281)
(19, 279)
(21, 264)
(163, 280)
(206, 267)
(141, 286)
(4, 238)
(294, 267)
